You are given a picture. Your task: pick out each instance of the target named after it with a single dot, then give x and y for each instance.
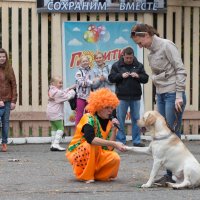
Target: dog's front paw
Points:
(171, 185)
(129, 148)
(147, 185)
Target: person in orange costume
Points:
(91, 149)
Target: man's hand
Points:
(134, 75)
(126, 75)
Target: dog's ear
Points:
(150, 120)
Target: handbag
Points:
(72, 102)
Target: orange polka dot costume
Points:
(92, 162)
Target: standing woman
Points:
(101, 72)
(168, 76)
(8, 94)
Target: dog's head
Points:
(148, 119)
(153, 122)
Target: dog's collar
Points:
(162, 138)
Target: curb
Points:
(45, 140)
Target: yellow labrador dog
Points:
(168, 151)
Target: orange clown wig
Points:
(100, 99)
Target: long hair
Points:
(145, 28)
(6, 66)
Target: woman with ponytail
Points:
(168, 76)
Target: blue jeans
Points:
(5, 122)
(135, 115)
(166, 107)
(2, 110)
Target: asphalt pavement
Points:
(32, 171)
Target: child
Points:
(55, 110)
(83, 86)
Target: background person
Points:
(168, 76)
(55, 110)
(101, 72)
(83, 86)
(8, 94)
(128, 74)
(91, 149)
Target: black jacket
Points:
(128, 88)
